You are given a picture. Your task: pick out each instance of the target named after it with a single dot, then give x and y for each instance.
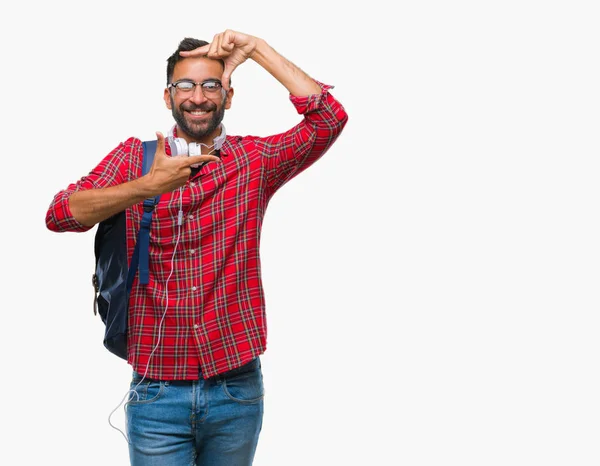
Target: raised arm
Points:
(286, 154)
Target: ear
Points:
(167, 97)
(228, 98)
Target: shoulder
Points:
(132, 144)
(127, 155)
(127, 147)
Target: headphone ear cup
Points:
(178, 146)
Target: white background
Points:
(431, 283)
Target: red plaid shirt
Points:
(206, 272)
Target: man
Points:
(197, 329)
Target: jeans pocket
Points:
(146, 392)
(246, 388)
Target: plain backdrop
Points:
(431, 283)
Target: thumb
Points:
(225, 79)
(160, 143)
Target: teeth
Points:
(198, 113)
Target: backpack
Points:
(113, 276)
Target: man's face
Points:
(198, 114)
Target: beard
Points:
(198, 131)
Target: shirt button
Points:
(192, 251)
(190, 217)
(196, 326)
(194, 288)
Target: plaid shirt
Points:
(205, 274)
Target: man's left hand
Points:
(233, 47)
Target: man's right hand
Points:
(169, 173)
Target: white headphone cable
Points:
(133, 391)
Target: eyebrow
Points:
(192, 81)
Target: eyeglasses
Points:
(210, 87)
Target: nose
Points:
(198, 96)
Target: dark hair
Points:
(185, 45)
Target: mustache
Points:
(203, 107)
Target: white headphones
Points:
(179, 146)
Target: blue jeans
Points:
(213, 422)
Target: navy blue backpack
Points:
(114, 276)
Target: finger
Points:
(221, 47)
(194, 159)
(213, 50)
(199, 52)
(228, 41)
(229, 38)
(228, 46)
(218, 44)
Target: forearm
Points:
(296, 81)
(288, 154)
(91, 206)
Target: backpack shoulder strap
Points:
(142, 245)
(148, 156)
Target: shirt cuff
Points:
(310, 103)
(68, 222)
